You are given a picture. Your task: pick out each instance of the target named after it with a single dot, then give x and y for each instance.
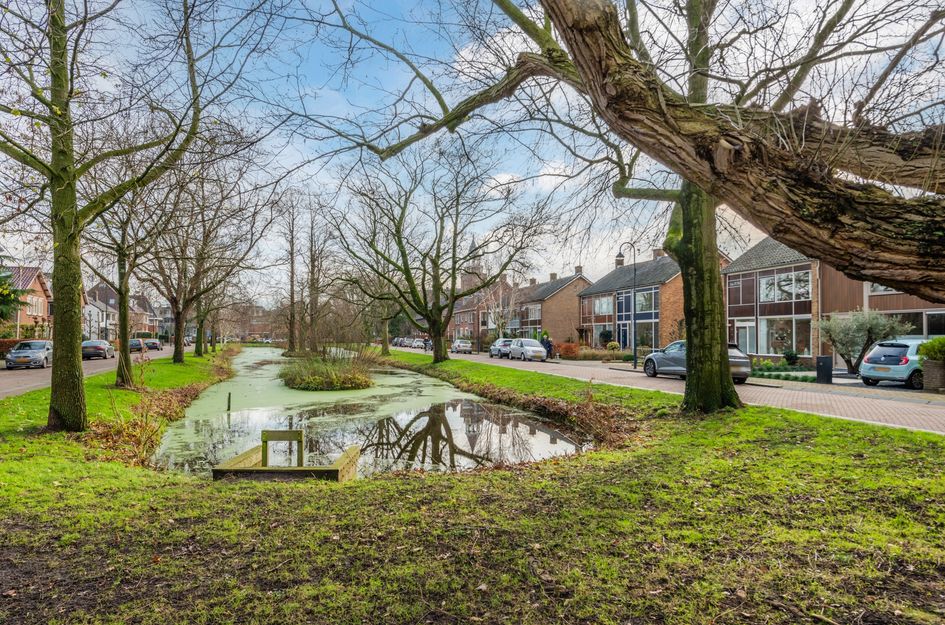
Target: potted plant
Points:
(933, 363)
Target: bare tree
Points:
(58, 93)
(220, 218)
(445, 221)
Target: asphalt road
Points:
(17, 381)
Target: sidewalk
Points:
(913, 410)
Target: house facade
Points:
(775, 296)
(35, 317)
(639, 304)
(551, 306)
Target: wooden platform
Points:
(249, 465)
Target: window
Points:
(734, 291)
(745, 336)
(604, 305)
(915, 320)
(646, 301)
(533, 311)
(936, 324)
(801, 285)
(647, 334)
(787, 286)
(767, 288)
(779, 334)
(880, 289)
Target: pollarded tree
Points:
(431, 229)
(62, 82)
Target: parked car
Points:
(97, 349)
(398, 342)
(30, 354)
(418, 343)
(153, 344)
(461, 346)
(671, 360)
(500, 348)
(895, 361)
(187, 341)
(136, 345)
(527, 349)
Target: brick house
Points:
(37, 313)
(656, 318)
(775, 296)
(550, 306)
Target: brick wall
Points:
(561, 313)
(671, 311)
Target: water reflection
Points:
(405, 421)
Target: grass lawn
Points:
(751, 516)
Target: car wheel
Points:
(739, 380)
(915, 380)
(490, 354)
(870, 381)
(523, 356)
(649, 368)
(45, 362)
(10, 368)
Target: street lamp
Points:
(633, 305)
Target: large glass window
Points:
(604, 305)
(745, 337)
(778, 334)
(647, 301)
(785, 287)
(915, 320)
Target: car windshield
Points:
(505, 342)
(30, 345)
(734, 352)
(531, 343)
(93, 343)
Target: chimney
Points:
(618, 260)
(578, 269)
(532, 282)
(553, 277)
(657, 252)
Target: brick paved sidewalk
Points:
(918, 411)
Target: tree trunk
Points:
(291, 338)
(213, 338)
(385, 337)
(67, 395)
(180, 321)
(123, 377)
(439, 345)
(198, 344)
(709, 385)
(67, 392)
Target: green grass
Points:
(750, 516)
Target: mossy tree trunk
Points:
(180, 322)
(385, 337)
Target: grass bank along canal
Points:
(405, 421)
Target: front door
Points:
(623, 335)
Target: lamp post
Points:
(633, 305)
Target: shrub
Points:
(569, 350)
(790, 357)
(6, 345)
(606, 336)
(329, 371)
(934, 349)
(613, 346)
(627, 357)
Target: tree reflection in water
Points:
(456, 435)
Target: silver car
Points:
(500, 348)
(30, 354)
(671, 360)
(527, 349)
(461, 346)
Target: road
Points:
(884, 406)
(17, 381)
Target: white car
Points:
(461, 346)
(417, 344)
(527, 349)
